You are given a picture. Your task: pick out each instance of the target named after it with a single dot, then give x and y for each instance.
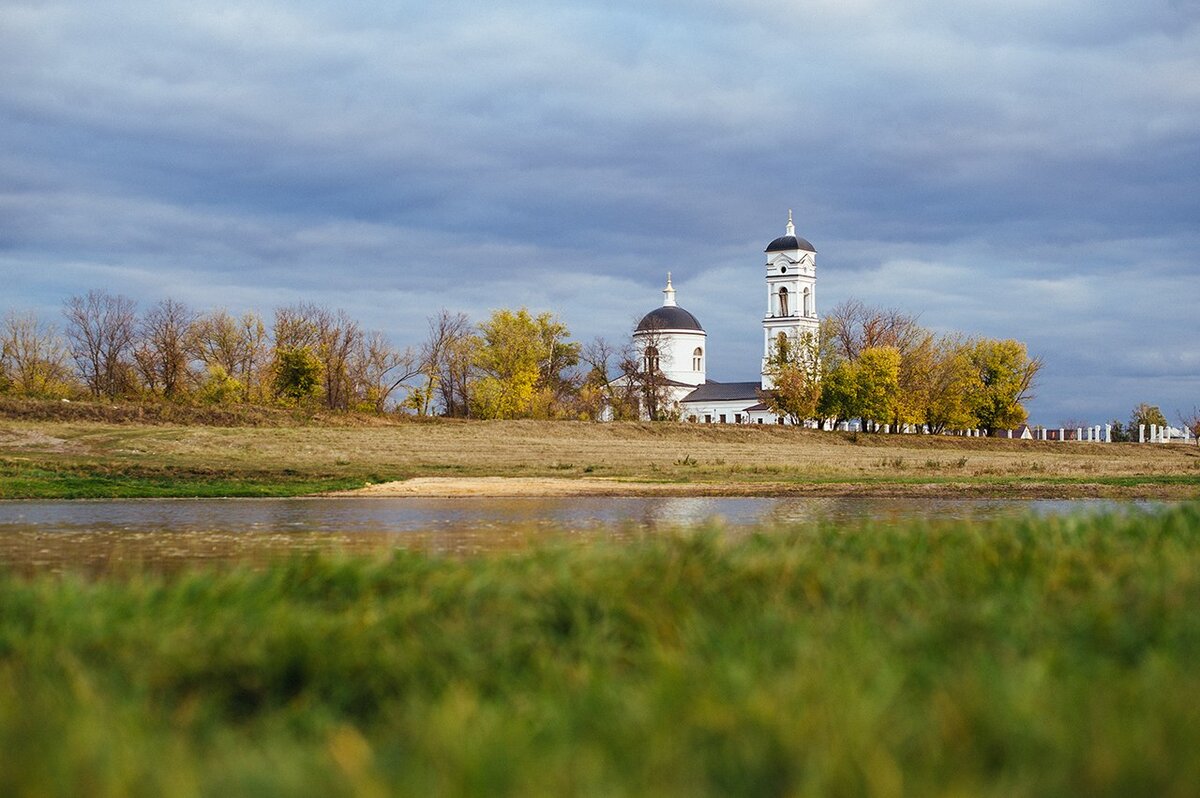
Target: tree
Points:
(1119, 432)
(33, 360)
(511, 357)
(877, 382)
(444, 360)
(297, 373)
(1005, 376)
(603, 389)
(163, 348)
(641, 366)
(1191, 423)
(794, 367)
(237, 347)
(377, 369)
(852, 326)
(558, 385)
(100, 331)
(950, 382)
(330, 336)
(839, 392)
(1144, 414)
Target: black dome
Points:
(669, 317)
(786, 243)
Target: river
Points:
(167, 533)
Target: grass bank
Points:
(84, 458)
(1037, 657)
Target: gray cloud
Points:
(1022, 171)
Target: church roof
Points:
(669, 317)
(724, 392)
(788, 243)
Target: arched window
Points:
(807, 302)
(697, 359)
(783, 308)
(783, 349)
(651, 359)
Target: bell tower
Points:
(791, 293)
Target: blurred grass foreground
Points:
(1052, 656)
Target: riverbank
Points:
(86, 459)
(1033, 657)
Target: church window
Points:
(697, 359)
(722, 418)
(651, 359)
(807, 302)
(783, 302)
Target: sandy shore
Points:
(499, 487)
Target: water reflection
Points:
(163, 534)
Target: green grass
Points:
(1028, 657)
(85, 481)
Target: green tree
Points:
(297, 374)
(839, 392)
(794, 367)
(1004, 375)
(1146, 414)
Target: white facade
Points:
(791, 293)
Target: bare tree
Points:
(332, 336)
(100, 331)
(604, 386)
(641, 365)
(162, 351)
(445, 360)
(1191, 422)
(377, 369)
(236, 347)
(852, 326)
(32, 356)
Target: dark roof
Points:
(669, 318)
(724, 392)
(756, 408)
(787, 243)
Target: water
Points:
(163, 533)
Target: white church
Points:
(672, 340)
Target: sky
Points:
(1015, 170)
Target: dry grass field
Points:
(86, 458)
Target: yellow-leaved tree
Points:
(1005, 376)
(878, 383)
(519, 361)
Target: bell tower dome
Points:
(791, 293)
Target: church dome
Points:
(669, 317)
(788, 243)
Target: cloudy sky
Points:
(1018, 169)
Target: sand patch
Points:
(519, 486)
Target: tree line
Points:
(514, 364)
(882, 367)
(106, 349)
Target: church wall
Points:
(676, 353)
